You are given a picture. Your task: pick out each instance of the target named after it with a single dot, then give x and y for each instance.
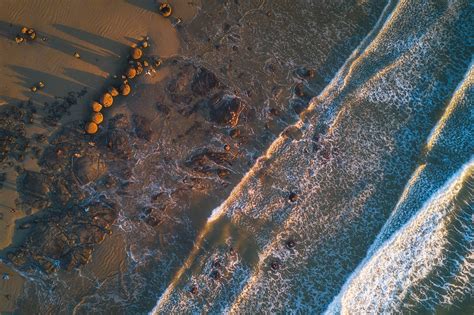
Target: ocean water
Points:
(380, 157)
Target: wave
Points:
(359, 142)
(420, 258)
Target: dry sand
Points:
(101, 31)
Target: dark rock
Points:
(203, 82)
(33, 189)
(118, 142)
(89, 168)
(290, 244)
(152, 216)
(234, 133)
(293, 197)
(64, 240)
(142, 127)
(275, 265)
(226, 109)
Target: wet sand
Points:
(101, 32)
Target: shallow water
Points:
(378, 149)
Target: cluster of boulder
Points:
(26, 34)
(137, 63)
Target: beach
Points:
(235, 157)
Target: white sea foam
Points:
(383, 281)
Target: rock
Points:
(293, 197)
(19, 39)
(92, 128)
(113, 91)
(203, 82)
(131, 73)
(210, 163)
(165, 9)
(125, 89)
(96, 106)
(275, 265)
(107, 100)
(142, 126)
(118, 142)
(152, 216)
(33, 188)
(76, 55)
(234, 133)
(89, 168)
(97, 118)
(226, 109)
(136, 53)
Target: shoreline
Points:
(102, 39)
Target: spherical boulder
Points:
(96, 106)
(97, 118)
(137, 53)
(125, 89)
(131, 72)
(107, 99)
(91, 128)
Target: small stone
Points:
(107, 100)
(32, 35)
(227, 147)
(145, 44)
(145, 63)
(34, 88)
(40, 84)
(24, 30)
(92, 128)
(139, 68)
(96, 106)
(157, 63)
(5, 276)
(275, 265)
(193, 290)
(97, 118)
(19, 39)
(165, 9)
(76, 55)
(293, 197)
(137, 53)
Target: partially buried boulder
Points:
(89, 168)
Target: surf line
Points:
(452, 183)
(336, 84)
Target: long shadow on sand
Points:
(149, 5)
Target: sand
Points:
(101, 31)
